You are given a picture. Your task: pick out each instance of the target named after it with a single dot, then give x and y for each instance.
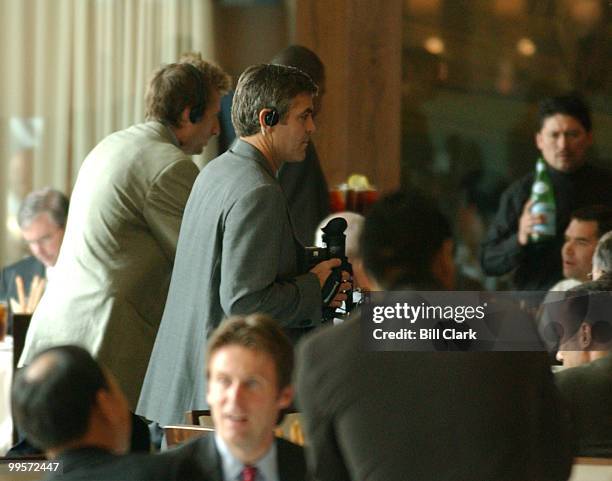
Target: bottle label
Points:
(539, 187)
(547, 228)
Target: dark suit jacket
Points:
(587, 392)
(380, 416)
(203, 451)
(27, 268)
(94, 464)
(307, 194)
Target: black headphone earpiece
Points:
(197, 110)
(271, 118)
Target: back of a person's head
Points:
(53, 396)
(303, 58)
(590, 303)
(266, 86)
(401, 236)
(258, 332)
(191, 82)
(47, 200)
(571, 104)
(601, 214)
(602, 258)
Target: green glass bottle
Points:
(544, 203)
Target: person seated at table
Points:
(249, 367)
(42, 221)
(586, 386)
(586, 227)
(73, 410)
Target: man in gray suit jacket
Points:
(249, 368)
(379, 416)
(237, 251)
(114, 267)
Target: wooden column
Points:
(359, 41)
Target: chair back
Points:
(180, 433)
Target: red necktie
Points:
(249, 473)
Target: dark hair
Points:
(601, 214)
(48, 200)
(258, 332)
(591, 303)
(302, 58)
(174, 87)
(401, 236)
(52, 398)
(570, 104)
(266, 86)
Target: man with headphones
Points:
(237, 252)
(111, 279)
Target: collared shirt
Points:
(49, 272)
(267, 466)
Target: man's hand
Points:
(342, 295)
(527, 221)
(323, 271)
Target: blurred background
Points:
(437, 93)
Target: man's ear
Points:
(285, 397)
(105, 405)
(585, 335)
(539, 140)
(184, 118)
(268, 118)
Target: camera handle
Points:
(331, 287)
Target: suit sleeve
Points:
(165, 203)
(323, 456)
(251, 279)
(500, 251)
(553, 450)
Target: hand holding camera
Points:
(332, 267)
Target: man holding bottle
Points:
(513, 243)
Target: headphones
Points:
(271, 118)
(197, 110)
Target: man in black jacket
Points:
(563, 139)
(74, 411)
(380, 416)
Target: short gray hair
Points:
(48, 200)
(266, 86)
(602, 258)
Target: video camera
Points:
(334, 240)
